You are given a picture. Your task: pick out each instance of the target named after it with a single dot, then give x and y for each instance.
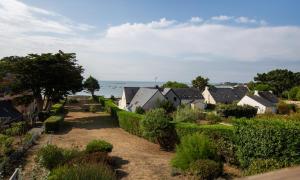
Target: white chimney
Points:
(256, 93)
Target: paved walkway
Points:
(292, 173)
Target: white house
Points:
(127, 96)
(224, 95)
(265, 102)
(146, 98)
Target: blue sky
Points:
(228, 40)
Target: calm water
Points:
(115, 88)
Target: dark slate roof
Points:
(268, 96)
(142, 96)
(261, 100)
(129, 93)
(188, 93)
(7, 111)
(228, 94)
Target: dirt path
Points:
(138, 158)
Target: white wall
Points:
(153, 102)
(207, 97)
(246, 100)
(122, 102)
(198, 105)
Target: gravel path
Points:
(137, 157)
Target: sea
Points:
(115, 88)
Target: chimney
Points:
(206, 88)
(256, 93)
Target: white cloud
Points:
(245, 20)
(221, 18)
(196, 19)
(135, 49)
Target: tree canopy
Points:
(200, 82)
(49, 76)
(174, 84)
(91, 85)
(279, 80)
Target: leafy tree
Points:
(166, 105)
(200, 82)
(48, 76)
(174, 84)
(280, 80)
(293, 93)
(91, 85)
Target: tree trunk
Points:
(40, 102)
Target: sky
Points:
(140, 40)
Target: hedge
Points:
(268, 139)
(53, 123)
(111, 108)
(221, 135)
(57, 109)
(233, 110)
(130, 122)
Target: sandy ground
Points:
(137, 158)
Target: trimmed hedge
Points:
(111, 108)
(130, 122)
(233, 110)
(221, 135)
(57, 109)
(268, 139)
(53, 123)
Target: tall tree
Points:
(280, 80)
(91, 85)
(49, 77)
(200, 82)
(174, 84)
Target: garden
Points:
(243, 141)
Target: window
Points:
(175, 99)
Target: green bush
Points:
(50, 156)
(98, 146)
(233, 110)
(93, 109)
(283, 108)
(156, 125)
(101, 100)
(53, 123)
(206, 169)
(5, 145)
(139, 110)
(221, 135)
(166, 105)
(258, 166)
(187, 114)
(111, 108)
(293, 93)
(16, 129)
(130, 122)
(192, 148)
(213, 118)
(73, 101)
(83, 172)
(57, 109)
(268, 139)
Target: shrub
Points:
(57, 109)
(53, 123)
(166, 105)
(210, 106)
(16, 129)
(268, 139)
(283, 108)
(192, 148)
(83, 172)
(213, 118)
(292, 107)
(98, 146)
(130, 122)
(111, 108)
(73, 101)
(258, 166)
(187, 114)
(50, 156)
(5, 145)
(93, 109)
(139, 110)
(293, 93)
(221, 135)
(43, 115)
(298, 96)
(233, 110)
(101, 100)
(206, 169)
(156, 125)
